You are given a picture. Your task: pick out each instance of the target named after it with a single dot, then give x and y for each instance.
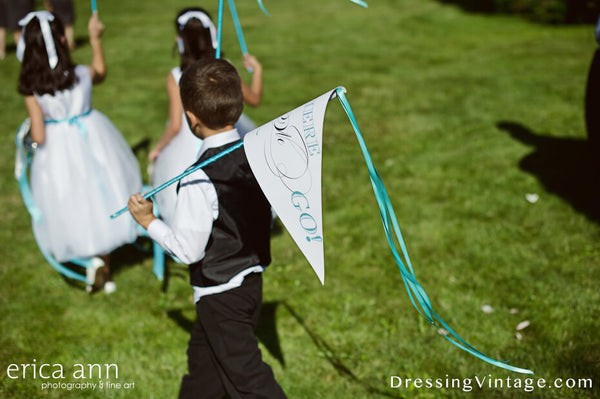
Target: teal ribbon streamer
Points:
(238, 29)
(184, 174)
(262, 7)
(219, 29)
(360, 3)
(95, 7)
(416, 293)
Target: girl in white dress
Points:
(83, 169)
(178, 147)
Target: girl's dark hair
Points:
(36, 75)
(197, 42)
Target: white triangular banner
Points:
(285, 156)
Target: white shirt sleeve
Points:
(195, 210)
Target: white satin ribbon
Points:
(204, 19)
(44, 18)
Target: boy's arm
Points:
(190, 229)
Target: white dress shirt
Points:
(196, 208)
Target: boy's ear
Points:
(195, 124)
(192, 119)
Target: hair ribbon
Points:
(204, 19)
(44, 18)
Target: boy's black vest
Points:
(240, 237)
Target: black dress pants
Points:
(224, 359)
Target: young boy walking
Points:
(221, 228)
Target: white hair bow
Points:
(44, 18)
(204, 19)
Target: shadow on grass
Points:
(142, 147)
(486, 6)
(575, 11)
(577, 356)
(266, 333)
(581, 362)
(592, 102)
(130, 255)
(329, 353)
(567, 167)
(125, 256)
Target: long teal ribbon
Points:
(219, 30)
(262, 7)
(184, 174)
(94, 6)
(238, 29)
(392, 232)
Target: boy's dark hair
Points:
(211, 89)
(196, 39)
(36, 75)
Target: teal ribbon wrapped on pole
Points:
(174, 180)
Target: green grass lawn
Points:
(464, 114)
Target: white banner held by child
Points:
(285, 156)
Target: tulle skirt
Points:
(84, 172)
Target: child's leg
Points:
(106, 270)
(203, 379)
(109, 285)
(95, 275)
(229, 320)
